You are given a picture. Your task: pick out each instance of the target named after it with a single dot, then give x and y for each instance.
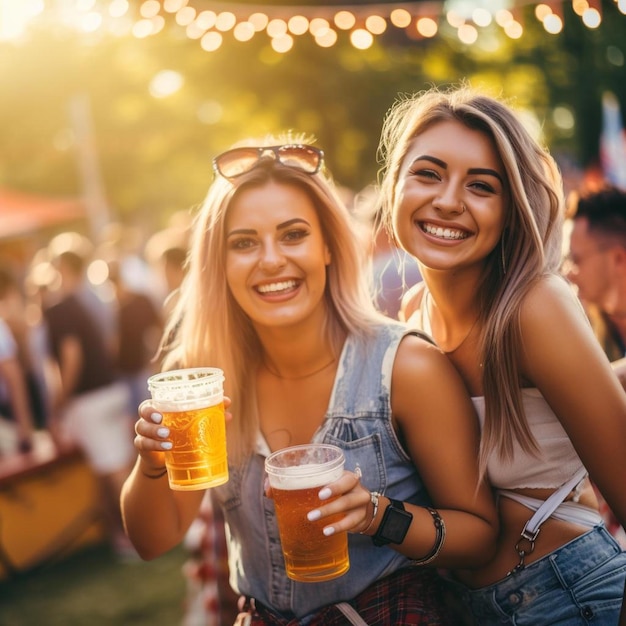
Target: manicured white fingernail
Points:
(163, 432)
(166, 445)
(156, 417)
(325, 493)
(313, 515)
(329, 530)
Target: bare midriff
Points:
(513, 516)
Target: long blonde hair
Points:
(530, 245)
(209, 328)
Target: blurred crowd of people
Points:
(79, 331)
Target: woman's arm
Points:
(564, 360)
(438, 424)
(155, 517)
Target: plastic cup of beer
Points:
(296, 475)
(192, 403)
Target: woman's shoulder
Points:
(550, 298)
(419, 354)
(422, 370)
(553, 324)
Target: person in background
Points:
(276, 295)
(90, 406)
(25, 373)
(124, 244)
(139, 326)
(479, 203)
(596, 266)
(98, 300)
(14, 400)
(166, 252)
(393, 269)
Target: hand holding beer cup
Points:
(296, 475)
(192, 404)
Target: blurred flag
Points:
(613, 141)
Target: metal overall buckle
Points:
(530, 537)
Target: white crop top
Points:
(558, 461)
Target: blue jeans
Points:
(579, 584)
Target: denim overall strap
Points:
(533, 525)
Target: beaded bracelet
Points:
(155, 476)
(374, 495)
(440, 536)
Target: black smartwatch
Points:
(394, 525)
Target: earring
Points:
(502, 259)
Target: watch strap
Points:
(394, 525)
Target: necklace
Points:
(303, 376)
(469, 332)
(428, 326)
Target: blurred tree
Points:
(154, 150)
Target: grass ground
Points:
(94, 588)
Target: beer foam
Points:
(187, 404)
(187, 389)
(304, 476)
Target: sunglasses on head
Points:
(238, 161)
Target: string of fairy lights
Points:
(210, 23)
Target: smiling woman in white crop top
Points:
(478, 202)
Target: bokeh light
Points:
(361, 39)
(165, 83)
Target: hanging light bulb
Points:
(344, 20)
(243, 31)
(376, 24)
(427, 27)
(361, 39)
(400, 18)
(298, 24)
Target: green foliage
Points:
(154, 154)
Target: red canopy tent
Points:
(22, 214)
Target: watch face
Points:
(394, 525)
(397, 525)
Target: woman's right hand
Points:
(151, 437)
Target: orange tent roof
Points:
(22, 213)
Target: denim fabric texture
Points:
(580, 584)
(358, 420)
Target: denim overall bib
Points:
(358, 420)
